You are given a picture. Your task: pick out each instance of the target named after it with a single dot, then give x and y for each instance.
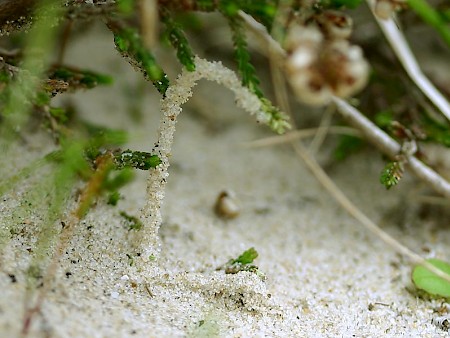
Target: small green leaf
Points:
(243, 263)
(247, 257)
(136, 159)
(391, 174)
(426, 280)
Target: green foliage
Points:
(243, 263)
(136, 159)
(242, 56)
(426, 280)
(17, 101)
(346, 146)
(384, 119)
(391, 174)
(101, 138)
(81, 78)
(435, 131)
(277, 119)
(247, 257)
(113, 198)
(129, 42)
(125, 7)
(178, 41)
(133, 223)
(445, 14)
(4, 76)
(60, 114)
(338, 4)
(263, 10)
(42, 99)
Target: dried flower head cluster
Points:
(321, 62)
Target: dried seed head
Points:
(318, 68)
(226, 205)
(308, 37)
(335, 25)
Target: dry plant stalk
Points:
(176, 95)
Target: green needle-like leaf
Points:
(179, 41)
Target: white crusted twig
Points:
(176, 95)
(409, 62)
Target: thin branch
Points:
(390, 147)
(401, 48)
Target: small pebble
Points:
(226, 205)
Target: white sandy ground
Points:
(326, 276)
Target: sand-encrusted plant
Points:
(308, 44)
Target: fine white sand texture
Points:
(325, 275)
